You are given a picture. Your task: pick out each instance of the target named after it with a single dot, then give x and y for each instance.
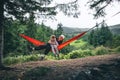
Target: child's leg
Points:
(53, 50)
(56, 49)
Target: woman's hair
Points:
(62, 36)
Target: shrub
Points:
(50, 57)
(67, 56)
(61, 56)
(30, 58)
(117, 49)
(11, 60)
(88, 52)
(100, 50)
(67, 49)
(74, 54)
(80, 53)
(19, 59)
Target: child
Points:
(53, 43)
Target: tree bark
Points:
(1, 31)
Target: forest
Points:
(98, 41)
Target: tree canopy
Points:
(99, 6)
(18, 9)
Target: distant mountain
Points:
(74, 30)
(115, 29)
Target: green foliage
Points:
(76, 49)
(115, 41)
(101, 50)
(76, 45)
(67, 49)
(75, 54)
(15, 44)
(100, 36)
(50, 57)
(20, 59)
(62, 56)
(59, 30)
(43, 33)
(36, 73)
(117, 49)
(80, 53)
(80, 44)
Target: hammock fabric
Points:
(38, 43)
(70, 40)
(32, 40)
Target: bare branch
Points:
(116, 14)
(67, 3)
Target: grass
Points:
(20, 59)
(80, 44)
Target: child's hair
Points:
(53, 36)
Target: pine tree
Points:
(59, 30)
(100, 36)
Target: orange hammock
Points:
(32, 40)
(38, 43)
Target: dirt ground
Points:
(103, 67)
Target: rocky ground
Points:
(104, 67)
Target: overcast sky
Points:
(85, 19)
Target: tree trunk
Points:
(1, 31)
